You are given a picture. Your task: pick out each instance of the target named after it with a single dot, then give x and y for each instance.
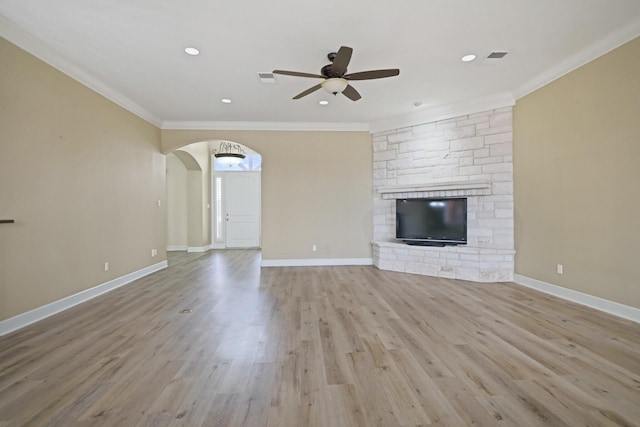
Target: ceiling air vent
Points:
(497, 55)
(267, 77)
(494, 57)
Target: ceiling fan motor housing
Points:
(327, 71)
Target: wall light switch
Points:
(106, 266)
(559, 268)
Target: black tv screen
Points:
(432, 221)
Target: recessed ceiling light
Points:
(323, 102)
(468, 58)
(225, 101)
(417, 104)
(191, 51)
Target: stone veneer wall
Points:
(468, 156)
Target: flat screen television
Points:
(432, 222)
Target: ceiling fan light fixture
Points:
(335, 85)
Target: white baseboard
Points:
(177, 248)
(37, 314)
(315, 262)
(617, 309)
(189, 248)
(198, 248)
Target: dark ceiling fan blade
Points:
(308, 91)
(373, 74)
(298, 74)
(351, 93)
(341, 60)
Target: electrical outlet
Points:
(314, 248)
(106, 266)
(559, 268)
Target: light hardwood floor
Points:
(319, 346)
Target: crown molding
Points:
(274, 126)
(492, 102)
(36, 47)
(607, 44)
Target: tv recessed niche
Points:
(432, 222)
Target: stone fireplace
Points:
(468, 156)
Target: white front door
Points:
(242, 216)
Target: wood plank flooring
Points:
(319, 346)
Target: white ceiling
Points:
(132, 51)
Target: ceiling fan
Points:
(335, 78)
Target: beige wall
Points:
(199, 196)
(81, 177)
(176, 203)
(577, 179)
(188, 198)
(316, 189)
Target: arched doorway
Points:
(209, 204)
